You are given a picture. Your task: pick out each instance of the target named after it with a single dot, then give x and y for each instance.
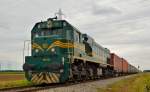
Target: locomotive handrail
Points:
(29, 41)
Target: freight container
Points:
(129, 68)
(124, 66)
(116, 61)
(132, 69)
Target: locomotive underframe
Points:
(83, 70)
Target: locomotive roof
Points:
(93, 41)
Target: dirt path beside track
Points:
(11, 77)
(86, 87)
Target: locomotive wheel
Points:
(83, 74)
(70, 75)
(91, 73)
(99, 72)
(75, 72)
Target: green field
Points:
(138, 83)
(13, 79)
(17, 83)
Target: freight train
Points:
(61, 53)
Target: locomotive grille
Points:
(45, 77)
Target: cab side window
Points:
(77, 37)
(69, 34)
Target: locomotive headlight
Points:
(61, 70)
(36, 50)
(63, 60)
(36, 35)
(53, 49)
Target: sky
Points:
(120, 25)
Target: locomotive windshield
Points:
(48, 32)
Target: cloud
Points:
(3, 26)
(104, 10)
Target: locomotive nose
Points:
(54, 67)
(27, 67)
(43, 73)
(51, 63)
(45, 46)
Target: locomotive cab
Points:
(88, 44)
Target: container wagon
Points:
(132, 69)
(116, 61)
(124, 66)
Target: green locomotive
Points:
(61, 53)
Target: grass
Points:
(13, 79)
(12, 84)
(139, 83)
(11, 76)
(11, 72)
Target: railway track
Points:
(50, 86)
(45, 86)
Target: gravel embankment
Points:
(86, 87)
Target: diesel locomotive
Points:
(60, 53)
